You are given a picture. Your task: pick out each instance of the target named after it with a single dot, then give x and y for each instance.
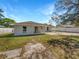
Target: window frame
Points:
(24, 29)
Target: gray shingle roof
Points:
(30, 23)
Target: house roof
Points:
(30, 23)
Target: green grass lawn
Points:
(8, 42)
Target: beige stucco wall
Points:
(45, 28)
(18, 30)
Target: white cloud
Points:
(47, 10)
(9, 11)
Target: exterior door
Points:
(36, 30)
(47, 28)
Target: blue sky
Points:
(28, 10)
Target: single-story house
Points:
(28, 28)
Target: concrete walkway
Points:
(11, 53)
(62, 33)
(29, 51)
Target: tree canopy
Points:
(1, 14)
(7, 22)
(69, 12)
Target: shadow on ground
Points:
(12, 35)
(68, 45)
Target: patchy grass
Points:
(8, 42)
(66, 48)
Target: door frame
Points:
(35, 29)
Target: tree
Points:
(1, 15)
(71, 11)
(7, 22)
